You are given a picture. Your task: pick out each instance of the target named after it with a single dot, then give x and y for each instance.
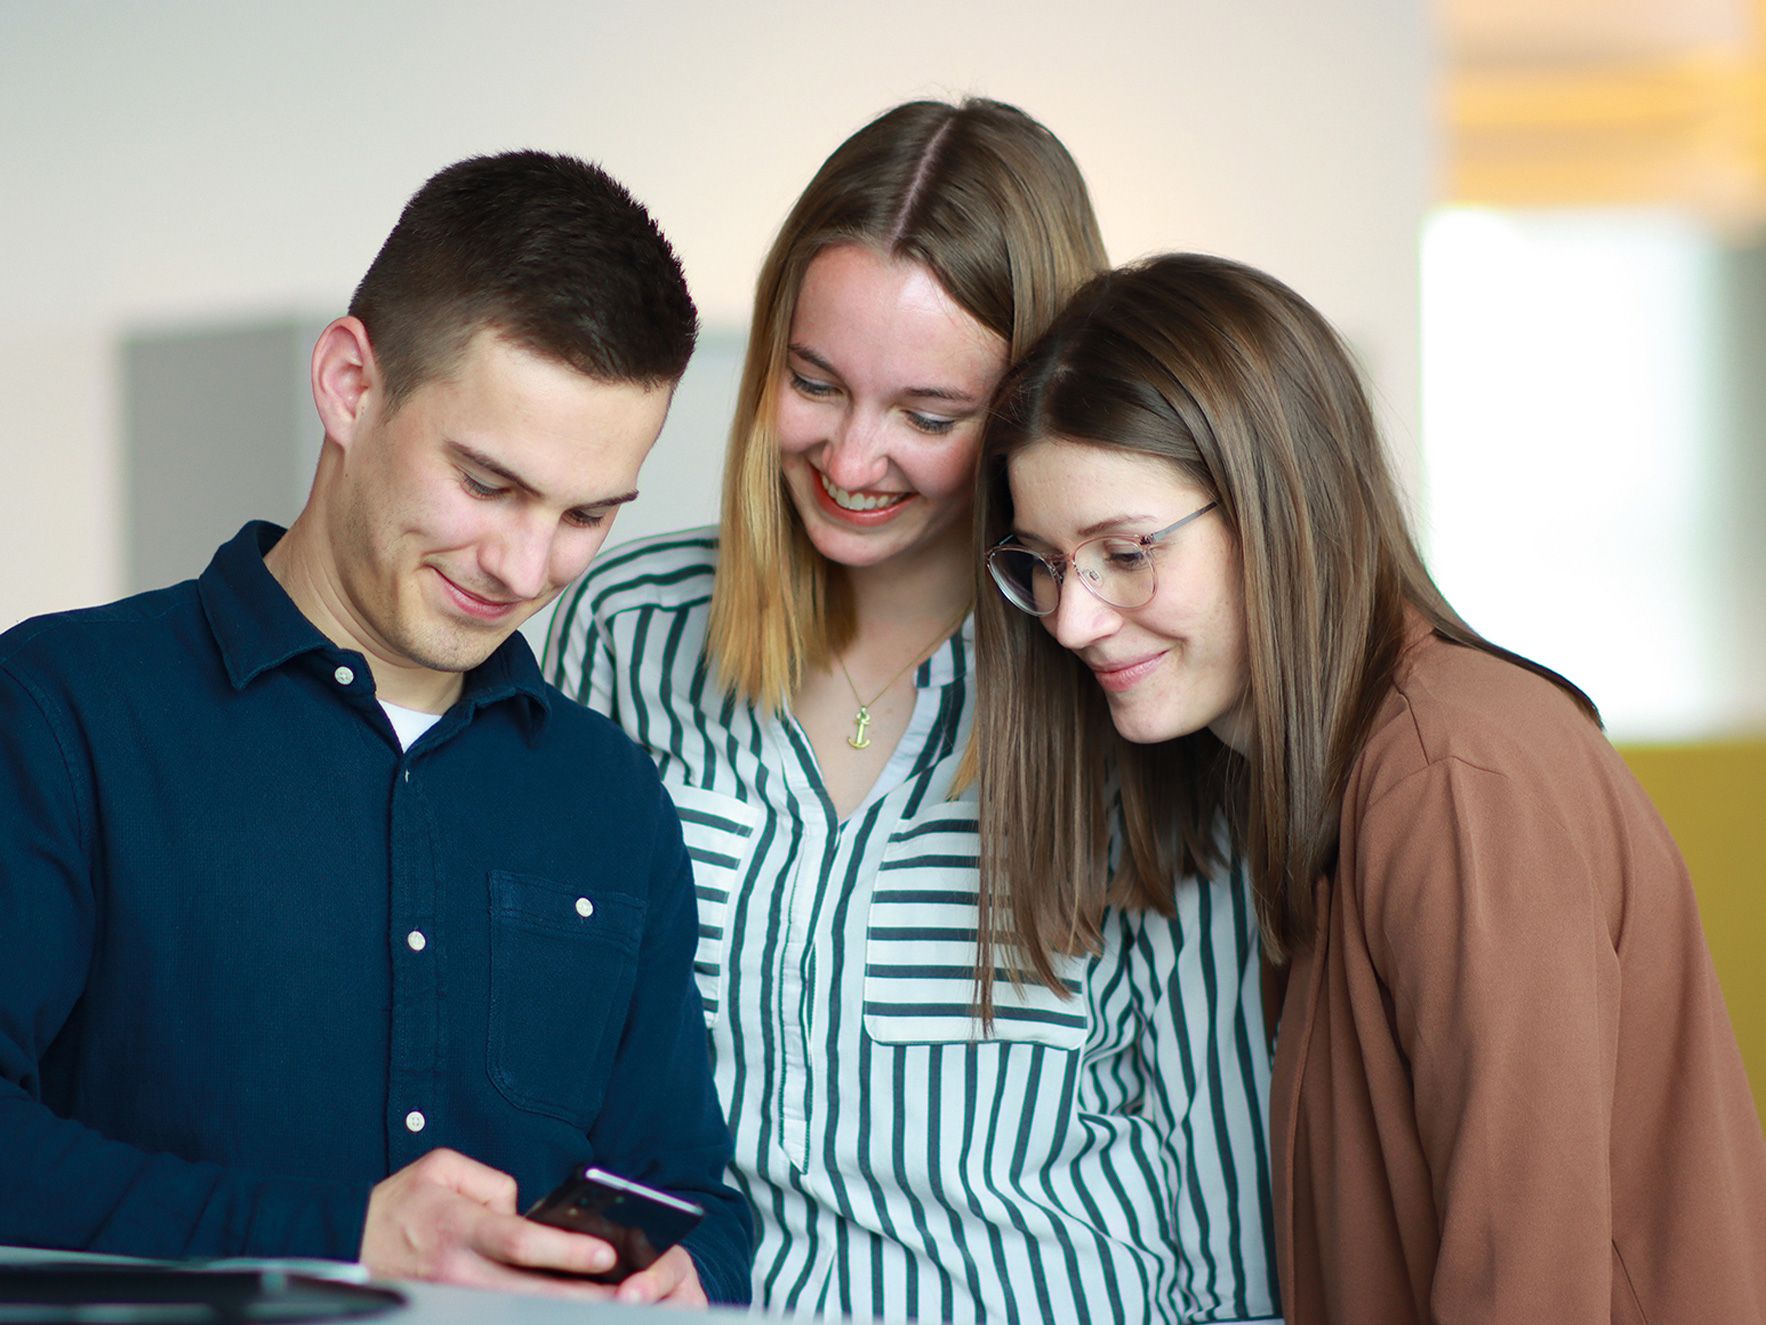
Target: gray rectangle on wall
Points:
(219, 428)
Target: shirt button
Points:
(584, 907)
(343, 676)
(414, 1121)
(416, 941)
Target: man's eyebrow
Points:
(915, 392)
(502, 471)
(484, 462)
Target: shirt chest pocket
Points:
(920, 948)
(564, 958)
(719, 834)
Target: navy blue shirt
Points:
(254, 957)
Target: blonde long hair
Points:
(990, 202)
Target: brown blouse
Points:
(1506, 1088)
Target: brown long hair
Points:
(1245, 388)
(991, 203)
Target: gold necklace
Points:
(862, 719)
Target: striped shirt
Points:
(1096, 1157)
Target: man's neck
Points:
(300, 564)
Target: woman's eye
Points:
(931, 424)
(1125, 558)
(808, 386)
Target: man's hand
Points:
(672, 1279)
(451, 1219)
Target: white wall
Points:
(209, 160)
(1593, 414)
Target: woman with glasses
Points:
(802, 676)
(1506, 1088)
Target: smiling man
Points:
(327, 928)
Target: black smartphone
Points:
(638, 1221)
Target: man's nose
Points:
(520, 556)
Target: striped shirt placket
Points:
(1069, 1169)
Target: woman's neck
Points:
(902, 595)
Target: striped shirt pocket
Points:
(718, 831)
(920, 948)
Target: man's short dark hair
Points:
(549, 251)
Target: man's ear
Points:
(344, 377)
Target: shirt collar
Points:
(949, 662)
(258, 628)
(255, 622)
(510, 673)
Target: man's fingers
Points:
(475, 1271)
(477, 1182)
(450, 1218)
(525, 1244)
(671, 1279)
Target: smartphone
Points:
(639, 1222)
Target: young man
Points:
(307, 878)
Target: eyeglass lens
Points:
(1118, 571)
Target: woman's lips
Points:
(1117, 677)
(862, 519)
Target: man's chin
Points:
(458, 653)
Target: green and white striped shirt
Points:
(1100, 1157)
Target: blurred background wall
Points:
(1538, 222)
(201, 165)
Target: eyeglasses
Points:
(1114, 570)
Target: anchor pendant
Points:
(858, 740)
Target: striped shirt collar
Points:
(950, 661)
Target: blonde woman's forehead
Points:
(888, 320)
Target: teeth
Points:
(852, 501)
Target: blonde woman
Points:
(802, 676)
